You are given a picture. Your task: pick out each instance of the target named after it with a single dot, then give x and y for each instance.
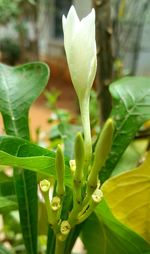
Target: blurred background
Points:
(31, 30)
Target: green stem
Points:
(85, 117)
(60, 246)
(74, 216)
(77, 185)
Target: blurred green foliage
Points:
(9, 9)
(10, 51)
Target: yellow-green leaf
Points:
(128, 196)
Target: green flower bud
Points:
(60, 171)
(79, 157)
(102, 150)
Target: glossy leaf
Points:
(128, 196)
(103, 234)
(131, 108)
(30, 156)
(19, 87)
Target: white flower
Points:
(80, 47)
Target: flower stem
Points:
(59, 246)
(85, 117)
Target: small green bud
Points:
(60, 171)
(79, 156)
(104, 144)
(102, 150)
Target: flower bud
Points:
(80, 47)
(79, 156)
(60, 171)
(102, 150)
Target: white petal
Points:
(70, 25)
(82, 59)
(72, 14)
(72, 21)
(64, 20)
(88, 26)
(89, 17)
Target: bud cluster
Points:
(79, 36)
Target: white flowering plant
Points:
(94, 195)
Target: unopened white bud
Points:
(80, 47)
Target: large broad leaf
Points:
(131, 98)
(19, 87)
(128, 196)
(32, 157)
(103, 234)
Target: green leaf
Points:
(19, 87)
(131, 157)
(68, 133)
(32, 157)
(128, 196)
(6, 185)
(103, 234)
(8, 203)
(131, 98)
(50, 241)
